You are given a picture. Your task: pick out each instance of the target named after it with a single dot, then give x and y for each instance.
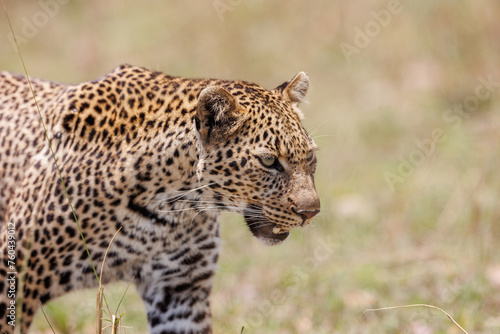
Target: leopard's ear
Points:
(218, 116)
(296, 89)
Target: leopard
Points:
(151, 160)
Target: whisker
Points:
(320, 136)
(184, 194)
(316, 129)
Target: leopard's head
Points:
(258, 159)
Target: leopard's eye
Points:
(268, 161)
(310, 156)
(271, 162)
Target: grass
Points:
(431, 240)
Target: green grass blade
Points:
(46, 318)
(123, 296)
(48, 141)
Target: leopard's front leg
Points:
(176, 282)
(177, 298)
(183, 308)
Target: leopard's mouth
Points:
(264, 230)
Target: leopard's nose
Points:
(306, 214)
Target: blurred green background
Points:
(404, 104)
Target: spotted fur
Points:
(159, 157)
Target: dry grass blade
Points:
(100, 291)
(417, 305)
(106, 254)
(98, 310)
(116, 324)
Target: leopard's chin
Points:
(267, 232)
(264, 232)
